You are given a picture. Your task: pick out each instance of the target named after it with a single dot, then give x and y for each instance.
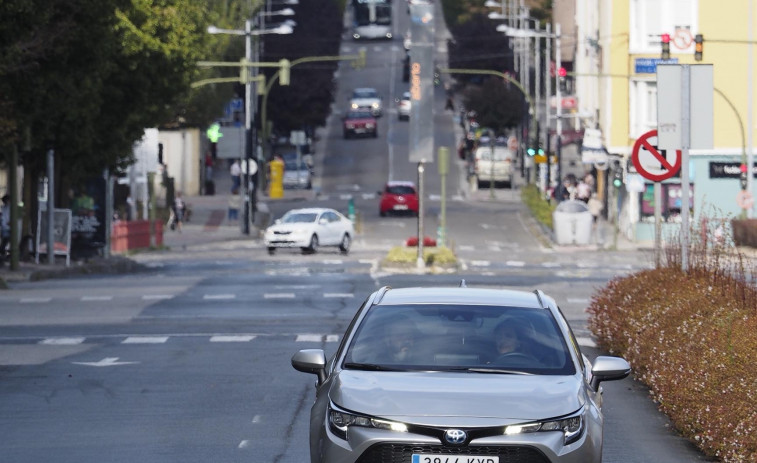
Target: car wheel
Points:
(271, 250)
(313, 244)
(375, 134)
(344, 247)
(346, 135)
(382, 213)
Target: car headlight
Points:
(340, 421)
(369, 126)
(375, 105)
(299, 232)
(354, 106)
(572, 427)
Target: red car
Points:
(399, 197)
(360, 122)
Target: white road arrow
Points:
(106, 362)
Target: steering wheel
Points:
(518, 358)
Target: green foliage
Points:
(540, 207)
(690, 336)
(499, 106)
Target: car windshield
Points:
(485, 154)
(299, 217)
(477, 339)
(400, 190)
(292, 165)
(365, 94)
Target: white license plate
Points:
(421, 458)
(400, 207)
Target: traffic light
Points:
(284, 66)
(665, 46)
(562, 74)
(698, 47)
(742, 177)
(617, 178)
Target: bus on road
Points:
(371, 19)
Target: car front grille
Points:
(402, 453)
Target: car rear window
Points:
(400, 190)
(453, 337)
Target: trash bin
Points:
(572, 222)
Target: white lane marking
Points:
(62, 341)
(145, 340)
(480, 263)
(332, 262)
(578, 300)
(96, 298)
(367, 261)
(154, 264)
(216, 297)
(369, 195)
(34, 300)
(332, 338)
(550, 264)
(465, 247)
(154, 297)
(515, 263)
(586, 342)
(244, 444)
(487, 226)
(106, 362)
(434, 197)
(338, 295)
(309, 338)
(278, 295)
(345, 197)
(231, 338)
(494, 247)
(256, 419)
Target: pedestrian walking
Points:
(5, 227)
(236, 175)
(177, 212)
(234, 202)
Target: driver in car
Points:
(512, 338)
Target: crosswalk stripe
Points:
(309, 338)
(231, 338)
(96, 298)
(219, 296)
(62, 341)
(145, 340)
(153, 297)
(278, 296)
(33, 300)
(338, 295)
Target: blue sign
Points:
(649, 65)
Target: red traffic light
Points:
(665, 38)
(562, 72)
(742, 168)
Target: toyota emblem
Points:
(455, 436)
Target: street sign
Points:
(744, 199)
(684, 106)
(652, 163)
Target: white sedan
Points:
(366, 98)
(310, 228)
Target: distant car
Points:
(359, 122)
(297, 175)
(309, 229)
(457, 375)
(399, 197)
(403, 107)
(366, 98)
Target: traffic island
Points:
(404, 259)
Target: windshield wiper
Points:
(491, 370)
(370, 367)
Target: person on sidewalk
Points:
(177, 212)
(595, 208)
(234, 202)
(236, 175)
(5, 227)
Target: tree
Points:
(476, 44)
(498, 106)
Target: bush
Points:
(745, 232)
(540, 207)
(691, 337)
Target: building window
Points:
(643, 104)
(671, 202)
(652, 18)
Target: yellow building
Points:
(618, 47)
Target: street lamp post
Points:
(248, 33)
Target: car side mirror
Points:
(311, 361)
(608, 369)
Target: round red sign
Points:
(652, 163)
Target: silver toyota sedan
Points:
(457, 375)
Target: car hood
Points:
(433, 397)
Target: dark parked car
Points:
(361, 122)
(426, 375)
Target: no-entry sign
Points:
(653, 163)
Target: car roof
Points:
(461, 296)
(310, 210)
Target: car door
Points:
(330, 228)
